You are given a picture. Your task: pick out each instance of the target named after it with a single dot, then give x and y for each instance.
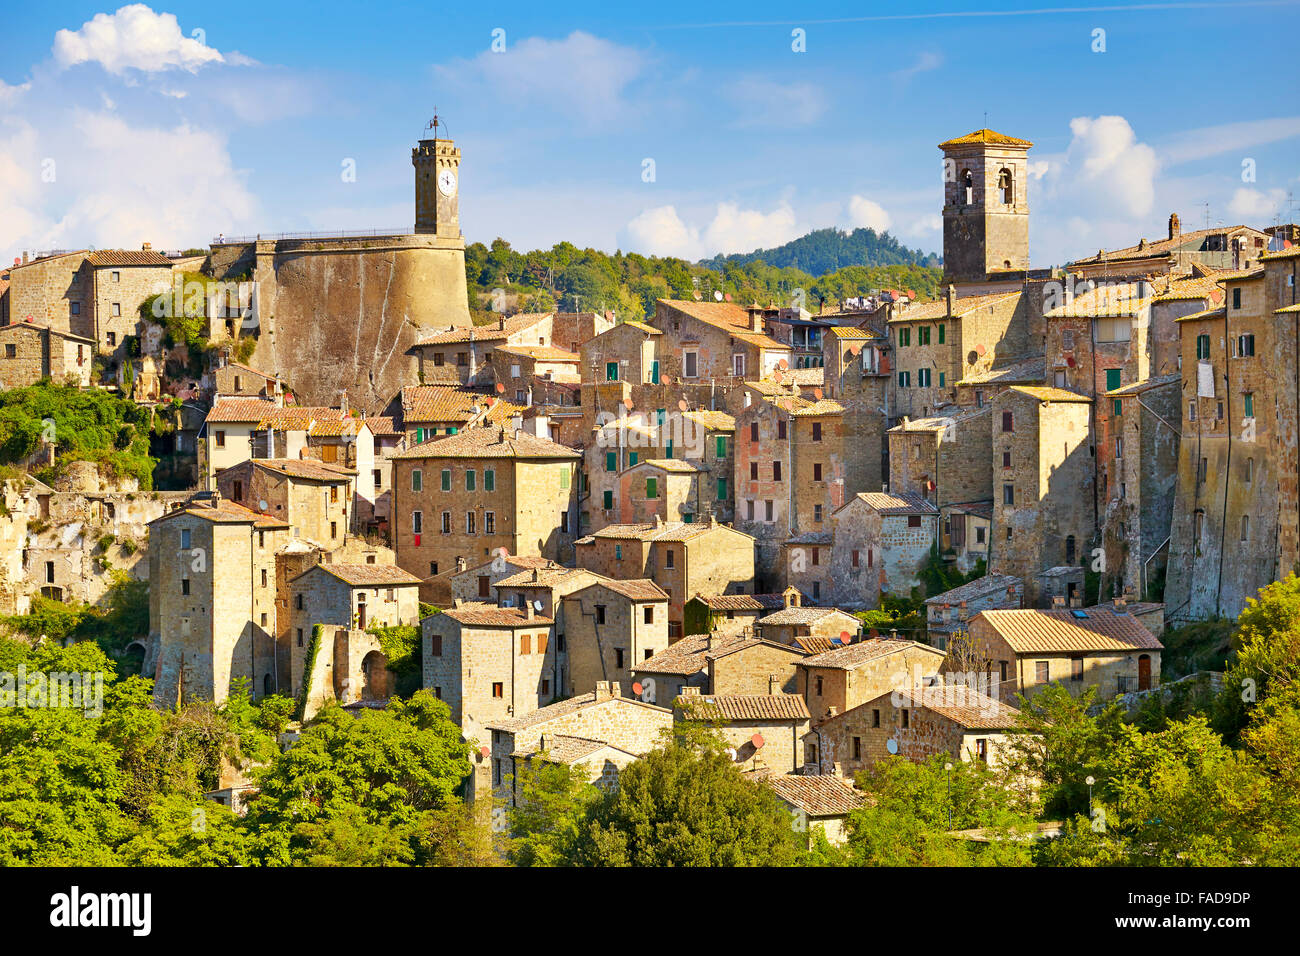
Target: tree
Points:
(549, 818)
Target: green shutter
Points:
(453, 431)
(941, 376)
(564, 477)
(611, 461)
(419, 435)
(1112, 379)
(469, 480)
(688, 518)
(632, 458)
(652, 488)
(446, 479)
(1250, 404)
(654, 373)
(722, 446)
(611, 371)
(609, 500)
(722, 489)
(489, 480)
(668, 449)
(941, 333)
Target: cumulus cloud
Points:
(1106, 163)
(868, 213)
(761, 102)
(580, 74)
(1255, 206)
(662, 231)
(133, 38)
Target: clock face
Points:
(447, 182)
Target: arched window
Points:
(1006, 187)
(968, 185)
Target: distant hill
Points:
(826, 250)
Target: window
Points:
(185, 539)
(471, 479)
(611, 371)
(780, 429)
(923, 378)
(669, 558)
(941, 333)
(871, 558)
(904, 379)
(904, 337)
(112, 340)
(753, 431)
(433, 568)
(541, 643)
(1202, 346)
(185, 582)
(1236, 298)
(1070, 549)
(1076, 668)
(446, 479)
(776, 471)
(334, 529)
(498, 691)
(11, 351)
(722, 489)
(923, 335)
(607, 501)
(1245, 346)
(1119, 448)
(648, 614)
(1250, 470)
(652, 488)
(1202, 471)
(334, 493)
(462, 358)
(817, 471)
(1006, 459)
(817, 514)
(691, 364)
(600, 614)
(816, 431)
(611, 461)
(753, 471)
(1009, 495)
(905, 717)
(767, 510)
(439, 359)
(1113, 378)
(721, 441)
(941, 378)
(1067, 340)
(75, 308)
(816, 556)
(738, 365)
(1006, 191)
(264, 577)
(469, 522)
(1198, 525)
(1249, 402)
(875, 717)
(1008, 422)
(654, 373)
(525, 644)
(1114, 330)
(857, 748)
(749, 509)
(1245, 528)
(490, 523)
(1041, 672)
(489, 479)
(117, 308)
(819, 686)
(1191, 410)
(221, 439)
(446, 522)
(417, 522)
(618, 658)
(968, 187)
(377, 477)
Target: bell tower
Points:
(437, 184)
(985, 206)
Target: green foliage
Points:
(401, 644)
(309, 665)
(1203, 646)
(906, 613)
(549, 819)
(120, 618)
(88, 425)
(828, 250)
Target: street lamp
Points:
(947, 769)
(1090, 780)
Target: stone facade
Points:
(882, 541)
(841, 679)
(608, 627)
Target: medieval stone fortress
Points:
(606, 528)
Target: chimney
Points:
(543, 742)
(689, 691)
(773, 684)
(711, 641)
(456, 602)
(460, 563)
(1175, 227)
(607, 689)
(952, 297)
(528, 610)
(147, 247)
(1120, 604)
(536, 575)
(501, 324)
(962, 611)
(832, 711)
(343, 404)
(756, 319)
(1077, 602)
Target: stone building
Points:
(212, 600)
(719, 663)
(489, 663)
(796, 624)
(948, 615)
(31, 352)
(728, 613)
(479, 583)
(314, 498)
(348, 596)
(1044, 510)
(1103, 647)
(986, 206)
(764, 730)
(840, 679)
(915, 724)
(683, 559)
(881, 544)
(665, 488)
(466, 351)
(603, 730)
(818, 804)
(427, 411)
(525, 370)
(609, 626)
(1222, 248)
(716, 342)
(464, 497)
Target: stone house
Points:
(840, 679)
(966, 528)
(817, 803)
(609, 626)
(682, 664)
(523, 370)
(795, 623)
(31, 352)
(489, 663)
(665, 488)
(948, 614)
(236, 380)
(683, 559)
(1223, 247)
(978, 389)
(1044, 505)
(764, 730)
(427, 411)
(603, 718)
(712, 450)
(1105, 647)
(212, 600)
(465, 497)
(119, 283)
(465, 353)
(728, 613)
(479, 583)
(881, 543)
(914, 724)
(806, 561)
(716, 341)
(347, 596)
(313, 497)
(722, 664)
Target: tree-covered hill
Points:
(827, 250)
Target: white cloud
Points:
(133, 38)
(1037, 169)
(662, 231)
(581, 74)
(1254, 206)
(866, 212)
(925, 62)
(1227, 138)
(1108, 164)
(760, 102)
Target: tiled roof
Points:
(382, 425)
(983, 509)
(240, 410)
(544, 577)
(902, 503)
(809, 537)
(563, 708)
(674, 465)
(851, 333)
(666, 531)
(938, 423)
(978, 588)
(128, 257)
(225, 512)
(1211, 313)
(307, 469)
(1201, 284)
(814, 645)
(742, 602)
(819, 795)
(1157, 248)
(1290, 252)
(489, 615)
(542, 353)
(561, 748)
(852, 656)
(37, 327)
(1047, 393)
(775, 707)
(1113, 299)
(369, 575)
(1287, 309)
(768, 388)
(338, 427)
(636, 589)
(298, 417)
(641, 326)
(801, 615)
(683, 657)
(1145, 385)
(485, 333)
(488, 441)
(441, 403)
(727, 316)
(961, 704)
(803, 377)
(716, 421)
(1063, 631)
(818, 409)
(962, 305)
(1026, 372)
(985, 137)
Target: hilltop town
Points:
(832, 533)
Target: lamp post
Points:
(947, 769)
(1090, 780)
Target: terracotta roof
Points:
(488, 441)
(768, 388)
(367, 575)
(803, 615)
(683, 657)
(938, 423)
(1136, 388)
(641, 326)
(809, 537)
(742, 602)
(1064, 631)
(962, 305)
(561, 748)
(665, 531)
(1201, 284)
(818, 409)
(299, 417)
(1154, 249)
(338, 427)
(239, 410)
(225, 512)
(382, 425)
(1290, 252)
(1111, 300)
(814, 645)
(128, 257)
(985, 137)
(980, 587)
(851, 333)
(563, 708)
(744, 707)
(485, 333)
(490, 615)
(803, 377)
(888, 503)
(542, 353)
(1287, 309)
(961, 704)
(307, 469)
(674, 465)
(636, 589)
(1211, 313)
(1027, 372)
(727, 316)
(37, 327)
(818, 795)
(716, 421)
(1046, 393)
(544, 577)
(441, 403)
(852, 656)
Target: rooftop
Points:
(563, 708)
(972, 590)
(818, 795)
(887, 503)
(775, 707)
(1100, 628)
(481, 614)
(853, 656)
(367, 575)
(493, 332)
(488, 441)
(985, 137)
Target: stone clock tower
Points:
(437, 186)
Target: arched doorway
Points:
(374, 676)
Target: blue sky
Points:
(130, 127)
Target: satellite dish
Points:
(636, 688)
(484, 751)
(731, 752)
(844, 636)
(717, 296)
(262, 504)
(537, 605)
(891, 745)
(757, 740)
